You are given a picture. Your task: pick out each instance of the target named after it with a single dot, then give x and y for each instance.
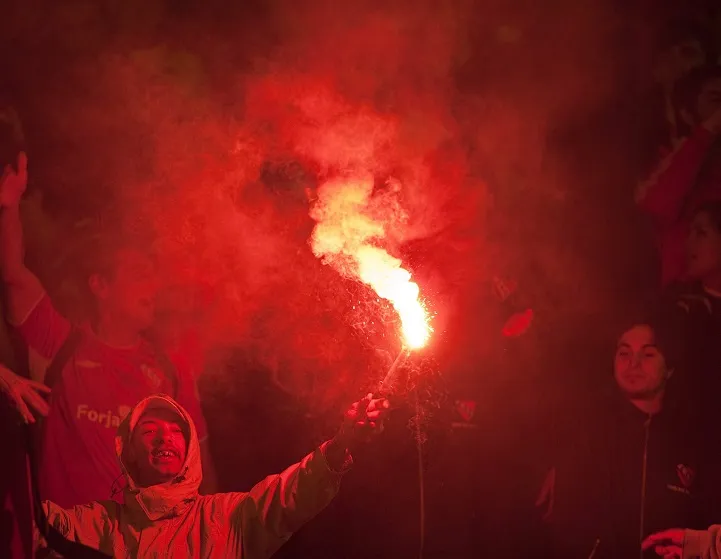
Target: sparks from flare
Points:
(350, 224)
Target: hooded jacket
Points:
(172, 520)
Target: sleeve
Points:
(702, 543)
(88, 525)
(267, 516)
(44, 329)
(189, 398)
(664, 194)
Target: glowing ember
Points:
(349, 227)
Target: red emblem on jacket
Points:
(466, 409)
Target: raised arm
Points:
(663, 196)
(22, 287)
(89, 525)
(267, 516)
(42, 328)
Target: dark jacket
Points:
(621, 475)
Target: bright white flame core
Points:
(346, 227)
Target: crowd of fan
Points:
(642, 468)
(636, 472)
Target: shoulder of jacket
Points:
(98, 511)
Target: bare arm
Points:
(666, 193)
(22, 286)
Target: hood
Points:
(172, 497)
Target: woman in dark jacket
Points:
(630, 464)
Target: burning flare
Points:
(349, 227)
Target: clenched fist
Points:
(362, 422)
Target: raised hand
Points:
(25, 394)
(362, 422)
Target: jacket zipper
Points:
(642, 519)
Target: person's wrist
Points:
(337, 454)
(7, 376)
(338, 444)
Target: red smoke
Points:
(216, 142)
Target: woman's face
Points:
(703, 248)
(639, 367)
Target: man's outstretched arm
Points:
(88, 525)
(268, 515)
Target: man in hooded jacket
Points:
(164, 515)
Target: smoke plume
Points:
(217, 134)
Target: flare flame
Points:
(350, 226)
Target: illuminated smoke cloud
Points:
(439, 112)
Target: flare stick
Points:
(386, 385)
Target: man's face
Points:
(129, 295)
(703, 248)
(157, 448)
(709, 100)
(639, 368)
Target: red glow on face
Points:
(518, 324)
(159, 447)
